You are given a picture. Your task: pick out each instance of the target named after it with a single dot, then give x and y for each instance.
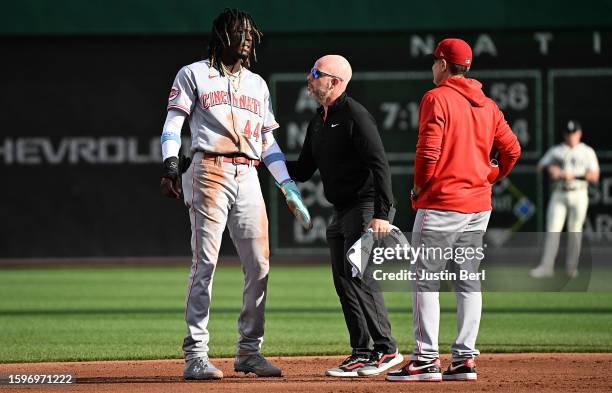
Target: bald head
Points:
(335, 74)
(338, 66)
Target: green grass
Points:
(137, 313)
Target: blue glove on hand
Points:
(296, 203)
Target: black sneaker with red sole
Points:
(417, 371)
(463, 370)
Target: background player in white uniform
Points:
(571, 166)
(230, 116)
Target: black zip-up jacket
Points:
(350, 156)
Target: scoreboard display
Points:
(393, 97)
(581, 94)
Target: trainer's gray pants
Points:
(218, 194)
(440, 228)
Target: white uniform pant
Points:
(573, 206)
(440, 228)
(217, 194)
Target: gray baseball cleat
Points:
(201, 369)
(256, 364)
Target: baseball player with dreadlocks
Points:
(230, 116)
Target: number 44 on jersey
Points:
(254, 133)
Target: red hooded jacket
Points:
(458, 127)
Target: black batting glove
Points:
(170, 184)
(171, 168)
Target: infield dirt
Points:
(526, 372)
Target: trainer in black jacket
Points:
(348, 151)
(343, 142)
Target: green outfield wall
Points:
(74, 17)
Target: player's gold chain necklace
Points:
(234, 78)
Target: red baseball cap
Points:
(454, 50)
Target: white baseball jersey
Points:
(577, 160)
(223, 120)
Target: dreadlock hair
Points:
(220, 37)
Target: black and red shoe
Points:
(463, 370)
(349, 367)
(417, 371)
(380, 362)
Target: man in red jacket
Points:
(458, 129)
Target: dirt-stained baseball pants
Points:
(217, 194)
(441, 228)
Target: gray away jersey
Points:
(216, 126)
